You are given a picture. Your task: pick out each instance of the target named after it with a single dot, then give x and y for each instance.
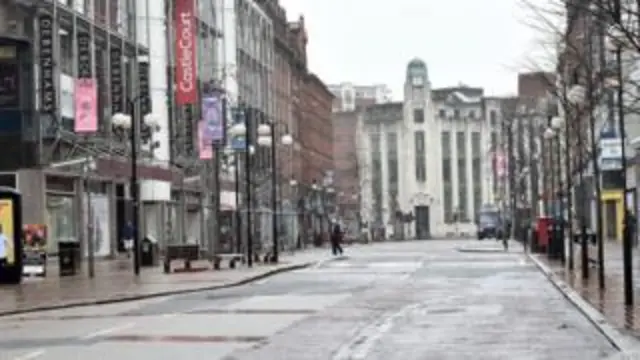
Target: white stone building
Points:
(427, 158)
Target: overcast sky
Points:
(476, 42)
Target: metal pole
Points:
(247, 168)
(133, 188)
(584, 243)
(237, 195)
(215, 184)
(596, 168)
(274, 198)
(567, 160)
(561, 237)
(627, 243)
(90, 243)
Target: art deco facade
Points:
(426, 161)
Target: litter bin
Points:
(68, 257)
(149, 252)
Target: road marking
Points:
(170, 315)
(31, 355)
(108, 331)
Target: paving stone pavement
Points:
(115, 281)
(470, 306)
(610, 301)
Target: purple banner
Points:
(212, 117)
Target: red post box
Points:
(542, 229)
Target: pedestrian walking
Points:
(336, 240)
(127, 237)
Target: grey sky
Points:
(477, 42)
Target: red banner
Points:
(186, 66)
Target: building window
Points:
(442, 113)
(392, 161)
(376, 176)
(463, 207)
(447, 196)
(472, 114)
(418, 116)
(456, 114)
(420, 155)
(476, 170)
(493, 118)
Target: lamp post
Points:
(239, 131)
(267, 138)
(551, 133)
(576, 97)
(615, 43)
(88, 167)
(128, 124)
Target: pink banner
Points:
(86, 104)
(204, 147)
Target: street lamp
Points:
(576, 96)
(239, 130)
(616, 41)
(127, 124)
(267, 138)
(88, 167)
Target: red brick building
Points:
(316, 130)
(345, 158)
(311, 107)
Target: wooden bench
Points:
(231, 258)
(184, 252)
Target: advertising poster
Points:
(34, 238)
(100, 218)
(7, 229)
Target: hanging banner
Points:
(185, 39)
(205, 150)
(85, 63)
(86, 105)
(238, 143)
(500, 163)
(212, 112)
(115, 76)
(144, 88)
(47, 84)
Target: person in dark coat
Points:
(336, 240)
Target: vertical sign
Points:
(189, 120)
(86, 91)
(212, 111)
(186, 65)
(115, 60)
(143, 87)
(48, 100)
(85, 68)
(205, 150)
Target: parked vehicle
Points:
(489, 224)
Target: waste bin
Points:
(149, 252)
(68, 257)
(556, 240)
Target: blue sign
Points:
(239, 142)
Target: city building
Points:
(426, 164)
(346, 165)
(349, 97)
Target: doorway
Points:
(610, 219)
(423, 230)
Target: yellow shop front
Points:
(612, 214)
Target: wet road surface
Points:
(413, 300)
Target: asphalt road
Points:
(406, 301)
